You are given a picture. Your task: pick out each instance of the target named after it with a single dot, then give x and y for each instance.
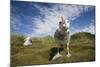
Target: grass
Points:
(82, 48)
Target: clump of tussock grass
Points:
(82, 48)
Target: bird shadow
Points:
(53, 51)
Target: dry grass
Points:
(82, 49)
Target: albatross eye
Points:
(60, 22)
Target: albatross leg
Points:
(68, 51)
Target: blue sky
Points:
(41, 19)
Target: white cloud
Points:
(14, 22)
(90, 28)
(51, 16)
(17, 24)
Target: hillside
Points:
(82, 48)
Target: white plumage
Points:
(28, 41)
(62, 37)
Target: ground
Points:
(82, 50)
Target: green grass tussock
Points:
(82, 48)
